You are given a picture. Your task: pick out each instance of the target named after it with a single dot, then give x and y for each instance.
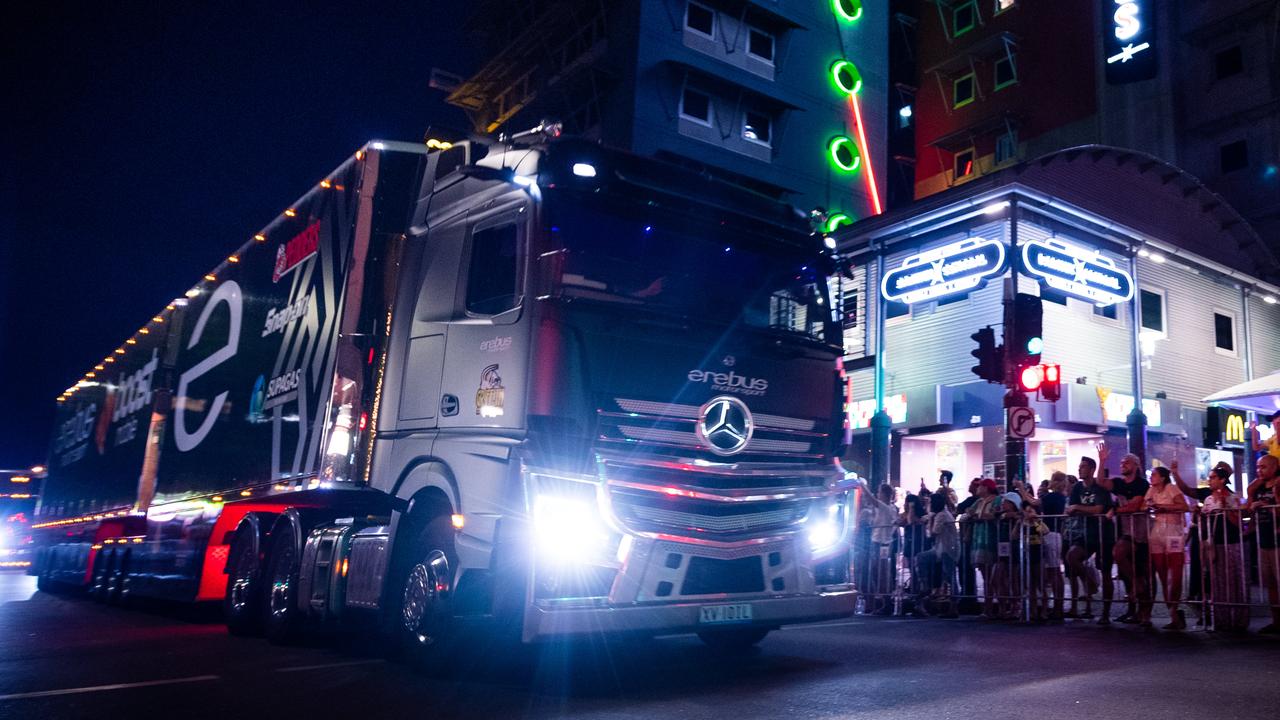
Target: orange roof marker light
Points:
(290, 213)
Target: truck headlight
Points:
(827, 525)
(568, 529)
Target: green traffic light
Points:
(1035, 346)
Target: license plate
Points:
(723, 614)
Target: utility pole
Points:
(1015, 449)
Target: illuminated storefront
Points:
(1150, 286)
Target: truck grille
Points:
(643, 425)
(650, 512)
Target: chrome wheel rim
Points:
(282, 582)
(424, 592)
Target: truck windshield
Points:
(702, 270)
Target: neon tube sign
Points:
(1127, 37)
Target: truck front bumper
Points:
(543, 621)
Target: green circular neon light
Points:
(847, 10)
(837, 220)
(844, 153)
(846, 77)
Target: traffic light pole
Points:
(1015, 450)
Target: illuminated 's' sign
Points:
(955, 268)
(1086, 274)
(1128, 34)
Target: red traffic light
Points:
(1052, 373)
(1031, 378)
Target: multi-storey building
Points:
(1151, 286)
(1195, 84)
(754, 91)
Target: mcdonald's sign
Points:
(1226, 428)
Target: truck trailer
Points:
(527, 384)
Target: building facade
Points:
(782, 96)
(1151, 289)
(1195, 84)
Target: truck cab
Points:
(617, 383)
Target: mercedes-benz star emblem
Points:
(725, 425)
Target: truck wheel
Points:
(242, 603)
(733, 641)
(281, 620)
(113, 592)
(102, 563)
(424, 621)
(43, 584)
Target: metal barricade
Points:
(1221, 567)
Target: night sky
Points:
(147, 140)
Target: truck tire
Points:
(113, 593)
(281, 619)
(43, 584)
(735, 641)
(242, 602)
(425, 631)
(102, 567)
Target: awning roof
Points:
(1260, 395)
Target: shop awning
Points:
(1259, 395)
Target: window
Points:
(962, 91)
(1006, 71)
(1002, 5)
(964, 17)
(1234, 156)
(1151, 310)
(1228, 62)
(493, 277)
(1006, 147)
(700, 19)
(1107, 311)
(964, 163)
(695, 106)
(1224, 333)
(760, 45)
(757, 127)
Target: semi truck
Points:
(528, 384)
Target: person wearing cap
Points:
(1091, 535)
(983, 547)
(1008, 512)
(1133, 549)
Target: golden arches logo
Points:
(1234, 431)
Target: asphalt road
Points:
(64, 656)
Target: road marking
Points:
(817, 626)
(104, 688)
(325, 666)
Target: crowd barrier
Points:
(1215, 570)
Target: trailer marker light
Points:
(584, 170)
(260, 237)
(210, 277)
(233, 259)
(290, 213)
(99, 366)
(246, 493)
(345, 564)
(458, 521)
(144, 331)
(326, 184)
(216, 498)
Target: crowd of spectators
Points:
(1048, 554)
